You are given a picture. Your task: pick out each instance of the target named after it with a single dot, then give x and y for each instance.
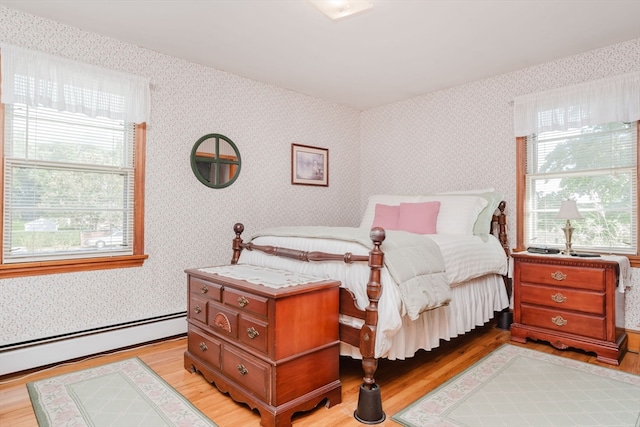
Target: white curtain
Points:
(613, 99)
(41, 80)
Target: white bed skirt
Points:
(472, 304)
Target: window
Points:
(597, 167)
(580, 143)
(73, 168)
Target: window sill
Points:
(70, 266)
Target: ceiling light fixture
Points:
(338, 9)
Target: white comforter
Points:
(464, 258)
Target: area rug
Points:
(515, 386)
(125, 393)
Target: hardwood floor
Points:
(401, 382)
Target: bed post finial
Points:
(369, 410)
(238, 228)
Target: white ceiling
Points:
(397, 50)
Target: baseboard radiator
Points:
(47, 351)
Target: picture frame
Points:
(309, 165)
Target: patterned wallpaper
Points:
(187, 224)
(458, 138)
(462, 138)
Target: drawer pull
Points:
(559, 321)
(242, 370)
(204, 289)
(559, 298)
(252, 332)
(242, 301)
(203, 346)
(197, 309)
(559, 276)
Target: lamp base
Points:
(568, 233)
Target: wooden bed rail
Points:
(239, 245)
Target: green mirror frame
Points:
(215, 163)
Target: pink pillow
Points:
(419, 218)
(386, 217)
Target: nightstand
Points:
(569, 302)
(267, 337)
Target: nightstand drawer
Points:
(563, 298)
(564, 321)
(562, 275)
(253, 333)
(249, 372)
(245, 301)
(198, 308)
(208, 289)
(206, 348)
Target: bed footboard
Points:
(365, 337)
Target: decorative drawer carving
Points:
(564, 298)
(563, 276)
(222, 320)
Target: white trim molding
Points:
(55, 351)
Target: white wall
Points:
(453, 139)
(462, 137)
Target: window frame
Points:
(521, 169)
(85, 264)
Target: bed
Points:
(419, 269)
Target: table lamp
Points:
(568, 210)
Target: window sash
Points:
(604, 186)
(66, 221)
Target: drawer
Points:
(564, 321)
(245, 301)
(253, 333)
(198, 308)
(205, 288)
(204, 347)
(561, 275)
(247, 371)
(563, 298)
(222, 320)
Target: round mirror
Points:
(215, 160)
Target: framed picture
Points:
(309, 165)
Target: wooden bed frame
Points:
(365, 337)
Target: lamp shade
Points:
(568, 210)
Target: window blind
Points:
(594, 165)
(68, 185)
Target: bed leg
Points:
(369, 410)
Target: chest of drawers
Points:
(569, 302)
(276, 349)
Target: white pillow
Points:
(458, 212)
(482, 226)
